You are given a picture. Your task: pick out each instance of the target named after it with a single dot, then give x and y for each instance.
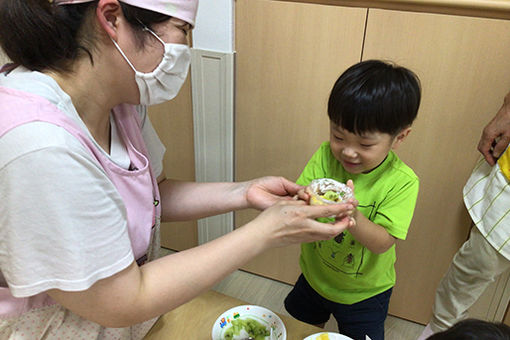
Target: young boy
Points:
(371, 109)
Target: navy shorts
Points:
(357, 320)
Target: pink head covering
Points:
(182, 9)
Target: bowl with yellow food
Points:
(325, 191)
(327, 336)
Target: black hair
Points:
(473, 329)
(39, 34)
(375, 96)
(140, 17)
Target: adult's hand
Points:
(290, 222)
(263, 192)
(496, 135)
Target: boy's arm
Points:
(374, 237)
(391, 220)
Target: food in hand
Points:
(328, 191)
(254, 329)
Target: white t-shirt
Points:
(62, 222)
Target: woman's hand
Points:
(290, 222)
(263, 192)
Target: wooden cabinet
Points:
(288, 56)
(464, 67)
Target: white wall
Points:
(213, 103)
(214, 29)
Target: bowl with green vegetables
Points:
(248, 321)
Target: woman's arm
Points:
(137, 293)
(190, 200)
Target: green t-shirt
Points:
(341, 269)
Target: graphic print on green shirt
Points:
(341, 269)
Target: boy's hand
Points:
(352, 212)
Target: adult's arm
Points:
(191, 200)
(140, 293)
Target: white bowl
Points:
(263, 315)
(332, 336)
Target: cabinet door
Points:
(173, 121)
(464, 67)
(288, 56)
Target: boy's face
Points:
(362, 153)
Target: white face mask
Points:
(166, 80)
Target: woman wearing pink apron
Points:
(81, 180)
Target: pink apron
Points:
(138, 187)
